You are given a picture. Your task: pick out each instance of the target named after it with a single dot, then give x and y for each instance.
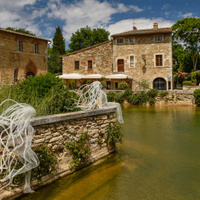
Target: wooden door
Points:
(120, 64)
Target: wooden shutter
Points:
(120, 64)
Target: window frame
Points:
(129, 40)
(90, 61)
(158, 38)
(75, 66)
(35, 48)
(133, 61)
(120, 41)
(162, 61)
(19, 46)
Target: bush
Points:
(103, 83)
(113, 134)
(123, 85)
(128, 94)
(152, 93)
(163, 93)
(144, 85)
(185, 83)
(197, 96)
(119, 97)
(195, 76)
(80, 151)
(111, 96)
(139, 98)
(88, 82)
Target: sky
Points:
(42, 16)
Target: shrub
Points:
(185, 83)
(72, 84)
(123, 85)
(128, 94)
(119, 97)
(195, 76)
(179, 77)
(111, 96)
(197, 96)
(144, 85)
(88, 82)
(113, 134)
(139, 98)
(80, 151)
(152, 93)
(103, 83)
(163, 93)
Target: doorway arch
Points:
(160, 84)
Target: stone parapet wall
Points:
(57, 130)
(190, 88)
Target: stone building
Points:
(21, 55)
(133, 56)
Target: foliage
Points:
(195, 76)
(119, 97)
(128, 94)
(58, 42)
(72, 83)
(187, 30)
(139, 98)
(123, 85)
(86, 37)
(179, 77)
(54, 62)
(152, 93)
(80, 151)
(103, 83)
(185, 83)
(197, 96)
(20, 30)
(88, 82)
(46, 93)
(113, 134)
(163, 93)
(111, 96)
(48, 163)
(144, 85)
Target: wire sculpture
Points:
(92, 96)
(16, 134)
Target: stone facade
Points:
(140, 54)
(21, 55)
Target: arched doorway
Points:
(31, 69)
(160, 84)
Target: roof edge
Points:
(81, 50)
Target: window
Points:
(15, 75)
(76, 65)
(35, 48)
(19, 46)
(169, 85)
(159, 60)
(89, 64)
(120, 65)
(158, 38)
(131, 40)
(159, 84)
(131, 61)
(116, 85)
(119, 41)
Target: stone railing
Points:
(57, 130)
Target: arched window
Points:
(120, 65)
(159, 84)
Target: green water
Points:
(158, 160)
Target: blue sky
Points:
(41, 16)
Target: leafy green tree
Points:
(54, 62)
(20, 30)
(187, 30)
(86, 37)
(58, 41)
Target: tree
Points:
(187, 30)
(54, 62)
(58, 41)
(20, 30)
(86, 37)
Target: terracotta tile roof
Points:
(23, 34)
(81, 50)
(144, 32)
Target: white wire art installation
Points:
(16, 134)
(92, 96)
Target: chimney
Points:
(134, 28)
(155, 26)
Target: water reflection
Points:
(159, 159)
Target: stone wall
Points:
(57, 130)
(25, 61)
(190, 88)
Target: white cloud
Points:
(185, 15)
(140, 23)
(15, 4)
(86, 12)
(166, 6)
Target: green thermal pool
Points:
(158, 160)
